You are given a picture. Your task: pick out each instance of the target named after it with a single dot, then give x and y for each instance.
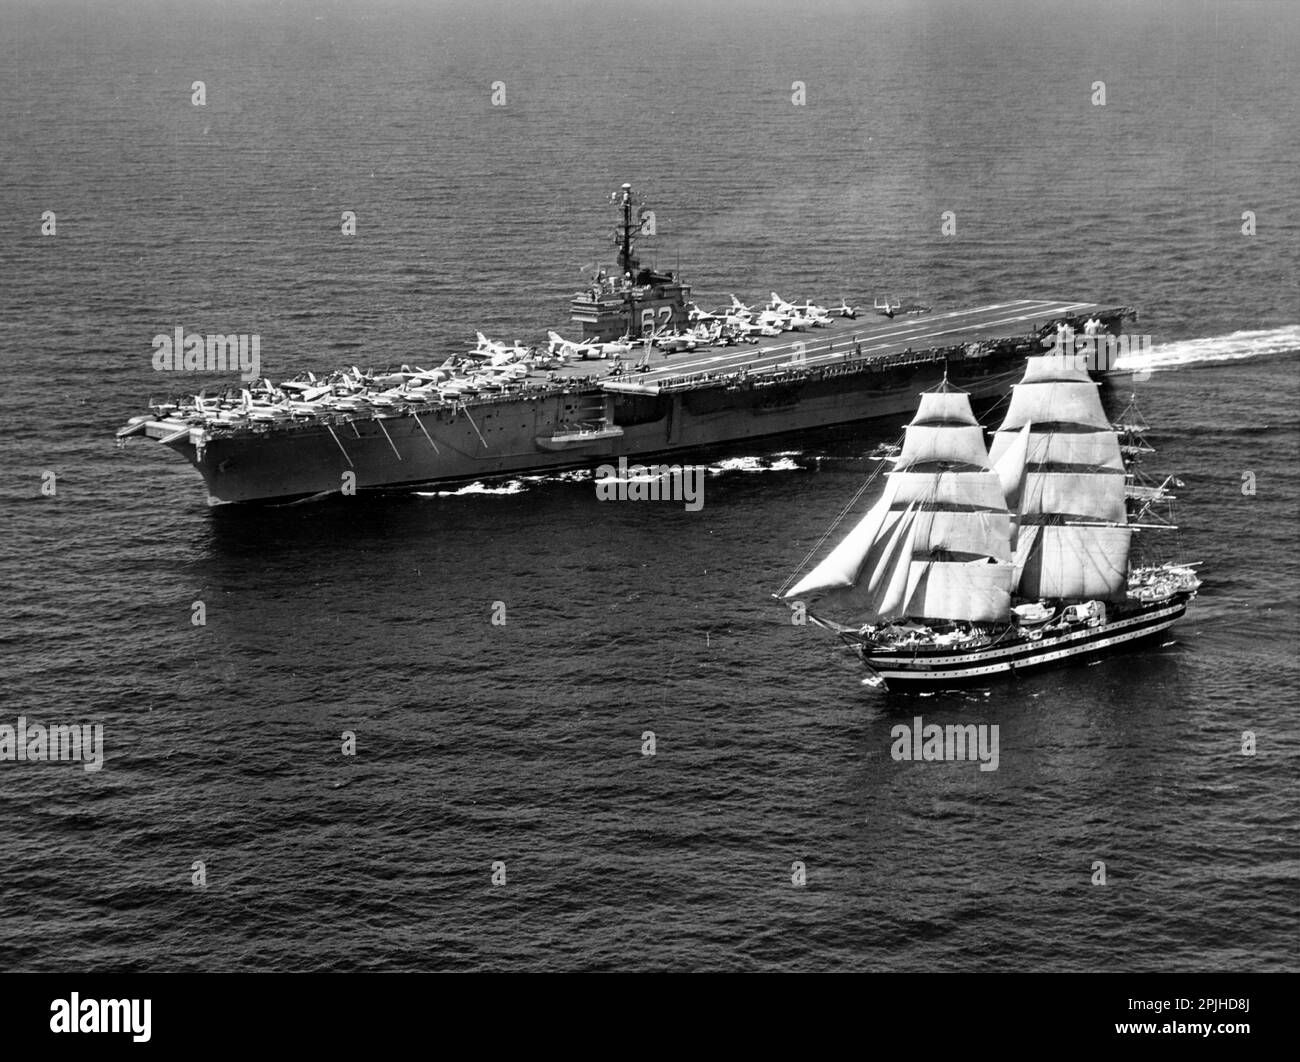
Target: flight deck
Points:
(845, 340)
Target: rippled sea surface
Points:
(522, 743)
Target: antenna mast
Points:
(626, 262)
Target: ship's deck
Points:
(866, 337)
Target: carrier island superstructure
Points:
(651, 375)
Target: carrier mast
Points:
(626, 263)
(636, 302)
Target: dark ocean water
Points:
(522, 743)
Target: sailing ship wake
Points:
(977, 563)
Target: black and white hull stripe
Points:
(903, 667)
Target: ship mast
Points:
(635, 300)
(626, 263)
(936, 546)
(1063, 476)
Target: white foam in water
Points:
(730, 464)
(780, 462)
(783, 463)
(755, 464)
(737, 464)
(514, 486)
(574, 475)
(1232, 347)
(634, 479)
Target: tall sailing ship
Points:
(978, 562)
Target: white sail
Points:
(844, 563)
(1025, 543)
(1009, 463)
(1078, 450)
(1073, 495)
(893, 597)
(1052, 368)
(973, 532)
(944, 407)
(950, 444)
(977, 490)
(871, 589)
(1063, 562)
(1073, 403)
(976, 591)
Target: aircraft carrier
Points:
(651, 376)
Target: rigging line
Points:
(1005, 400)
(831, 530)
